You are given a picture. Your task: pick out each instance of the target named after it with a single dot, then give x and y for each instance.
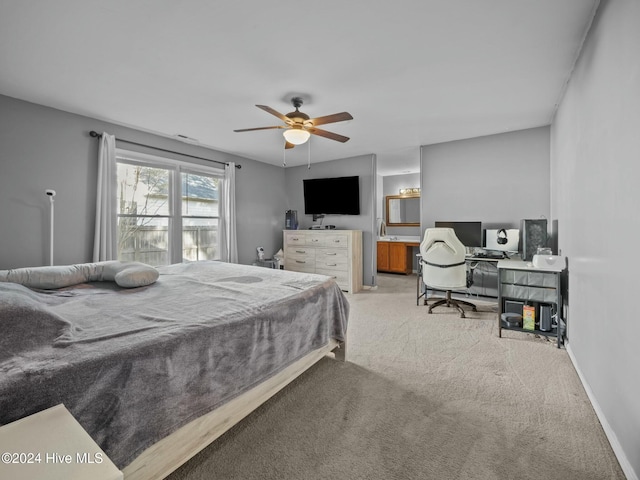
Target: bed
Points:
(154, 373)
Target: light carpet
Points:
(421, 397)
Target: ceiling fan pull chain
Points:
(284, 155)
(309, 155)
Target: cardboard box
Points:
(529, 317)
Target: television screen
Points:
(332, 196)
(469, 233)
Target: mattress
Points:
(134, 365)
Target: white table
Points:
(52, 445)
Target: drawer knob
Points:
(300, 261)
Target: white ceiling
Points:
(411, 72)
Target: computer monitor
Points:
(502, 240)
(469, 233)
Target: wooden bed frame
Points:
(171, 452)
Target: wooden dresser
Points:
(337, 253)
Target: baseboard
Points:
(608, 431)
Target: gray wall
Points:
(379, 203)
(365, 167)
(497, 179)
(391, 186)
(595, 151)
(42, 148)
(261, 202)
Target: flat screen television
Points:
(469, 233)
(332, 196)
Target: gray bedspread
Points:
(134, 365)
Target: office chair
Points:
(443, 266)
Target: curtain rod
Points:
(95, 134)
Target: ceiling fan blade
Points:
(330, 135)
(336, 117)
(259, 128)
(288, 145)
(270, 110)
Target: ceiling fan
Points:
(299, 126)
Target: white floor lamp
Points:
(51, 193)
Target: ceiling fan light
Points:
(297, 136)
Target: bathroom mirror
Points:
(403, 210)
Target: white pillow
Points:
(53, 277)
(125, 274)
(129, 274)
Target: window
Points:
(168, 211)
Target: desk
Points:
(484, 273)
(521, 283)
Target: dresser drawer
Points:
(300, 265)
(337, 254)
(301, 255)
(301, 252)
(296, 239)
(341, 277)
(336, 240)
(542, 279)
(534, 279)
(332, 263)
(533, 294)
